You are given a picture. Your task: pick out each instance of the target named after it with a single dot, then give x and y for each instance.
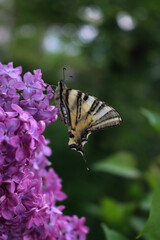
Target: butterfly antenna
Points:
(71, 77)
(64, 69)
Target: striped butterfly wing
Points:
(83, 114)
(90, 112)
(81, 111)
(103, 116)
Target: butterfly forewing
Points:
(90, 113)
(105, 117)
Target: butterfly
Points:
(83, 114)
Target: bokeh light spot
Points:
(87, 33)
(125, 21)
(92, 14)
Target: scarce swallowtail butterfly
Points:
(83, 114)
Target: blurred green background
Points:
(112, 51)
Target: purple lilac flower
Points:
(28, 192)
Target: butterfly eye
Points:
(70, 135)
(72, 146)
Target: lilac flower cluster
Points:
(28, 192)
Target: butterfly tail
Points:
(84, 157)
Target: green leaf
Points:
(117, 214)
(153, 118)
(137, 223)
(112, 234)
(122, 164)
(153, 172)
(153, 224)
(146, 202)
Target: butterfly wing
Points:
(83, 114)
(104, 116)
(61, 100)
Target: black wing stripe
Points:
(107, 116)
(74, 105)
(67, 107)
(94, 105)
(100, 108)
(79, 100)
(85, 97)
(92, 108)
(62, 106)
(103, 125)
(64, 113)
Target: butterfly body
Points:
(83, 114)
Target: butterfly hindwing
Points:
(83, 114)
